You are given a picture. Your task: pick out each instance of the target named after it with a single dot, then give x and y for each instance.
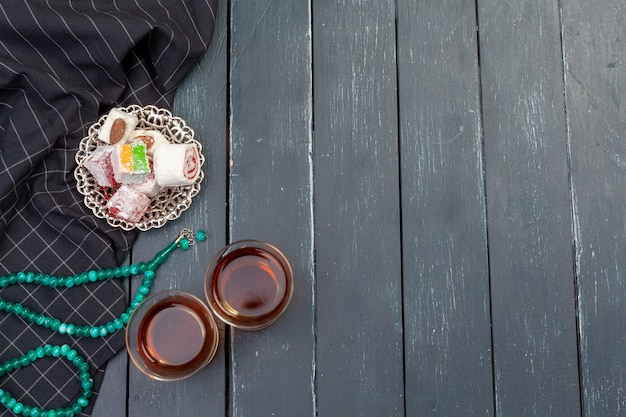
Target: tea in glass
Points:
(248, 284)
(171, 335)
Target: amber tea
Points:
(249, 284)
(175, 335)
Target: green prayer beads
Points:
(39, 353)
(148, 270)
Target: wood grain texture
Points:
(270, 197)
(446, 273)
(111, 399)
(449, 190)
(357, 240)
(202, 102)
(529, 215)
(593, 36)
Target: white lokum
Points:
(152, 139)
(149, 187)
(176, 164)
(117, 126)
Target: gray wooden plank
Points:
(529, 215)
(202, 101)
(271, 197)
(111, 398)
(359, 298)
(595, 83)
(445, 265)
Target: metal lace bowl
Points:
(171, 202)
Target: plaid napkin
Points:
(62, 65)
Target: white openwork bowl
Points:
(171, 202)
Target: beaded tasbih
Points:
(148, 269)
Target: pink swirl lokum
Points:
(99, 165)
(176, 164)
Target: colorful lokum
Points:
(130, 162)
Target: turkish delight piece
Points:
(99, 165)
(130, 162)
(152, 139)
(128, 204)
(176, 164)
(117, 126)
(149, 187)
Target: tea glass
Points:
(171, 335)
(248, 284)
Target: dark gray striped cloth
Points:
(63, 63)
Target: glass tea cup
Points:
(171, 335)
(248, 284)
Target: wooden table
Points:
(447, 179)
